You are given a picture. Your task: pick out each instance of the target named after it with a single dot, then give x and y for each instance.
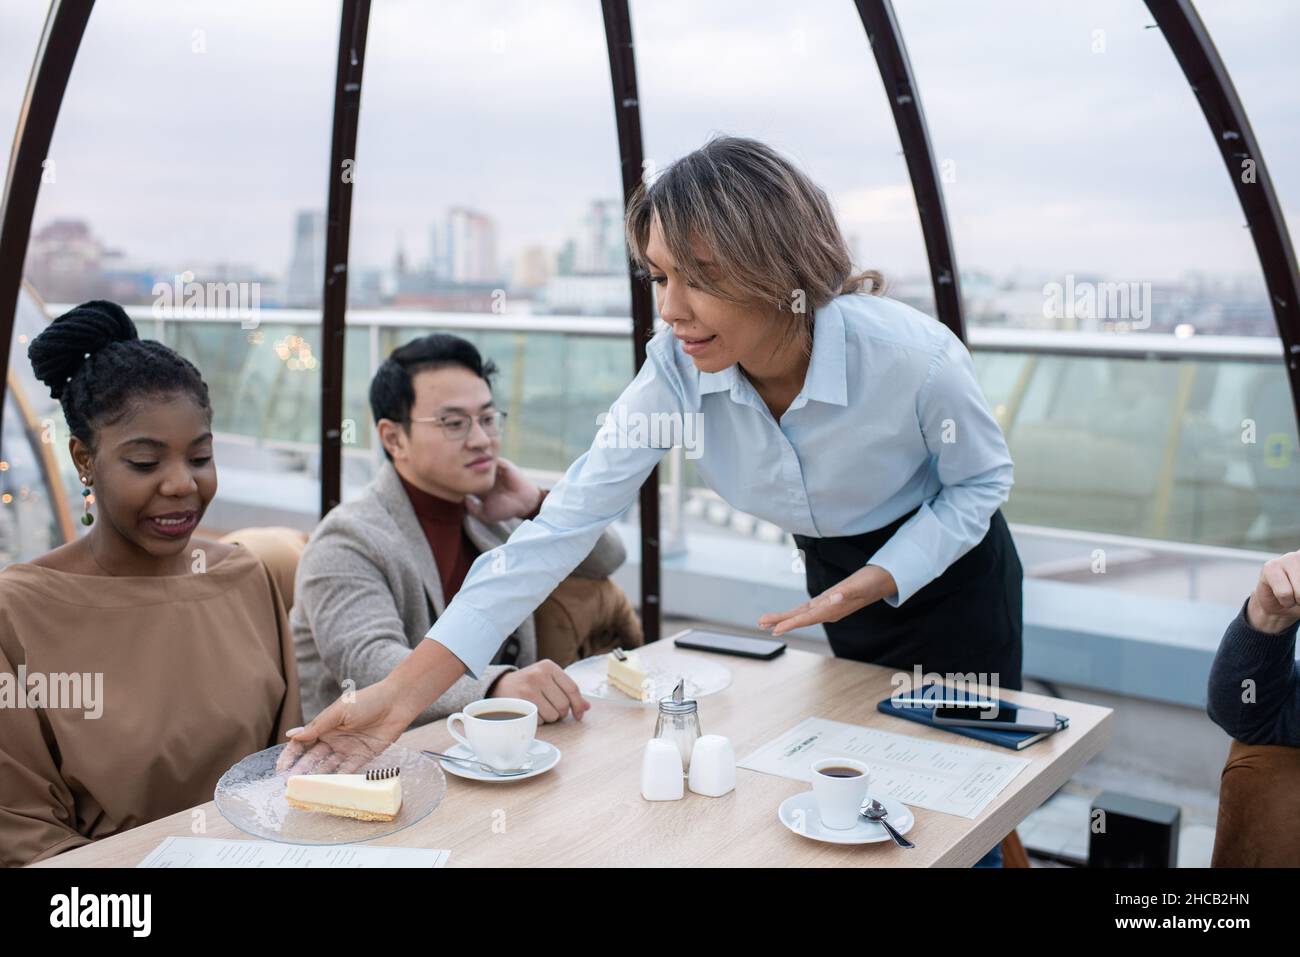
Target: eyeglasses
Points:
(456, 427)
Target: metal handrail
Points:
(1136, 345)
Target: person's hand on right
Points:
(546, 685)
(349, 733)
(1274, 605)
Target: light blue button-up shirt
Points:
(890, 419)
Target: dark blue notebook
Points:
(924, 713)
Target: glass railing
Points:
(1185, 440)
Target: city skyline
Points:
(68, 262)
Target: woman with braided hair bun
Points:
(105, 377)
(179, 646)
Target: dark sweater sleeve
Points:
(1270, 711)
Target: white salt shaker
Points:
(713, 766)
(661, 771)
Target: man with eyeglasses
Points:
(380, 569)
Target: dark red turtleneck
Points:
(443, 524)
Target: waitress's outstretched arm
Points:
(973, 465)
(507, 583)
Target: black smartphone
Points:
(1008, 717)
(724, 644)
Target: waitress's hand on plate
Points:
(864, 587)
(349, 733)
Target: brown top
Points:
(197, 672)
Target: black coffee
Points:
(837, 771)
(498, 715)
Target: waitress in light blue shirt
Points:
(851, 420)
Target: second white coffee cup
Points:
(840, 786)
(498, 730)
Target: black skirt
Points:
(967, 620)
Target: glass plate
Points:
(251, 796)
(703, 677)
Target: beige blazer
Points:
(367, 591)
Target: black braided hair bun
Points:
(59, 351)
(96, 365)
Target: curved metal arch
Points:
(627, 116)
(896, 75)
(65, 25)
(353, 24)
(43, 452)
(1208, 76)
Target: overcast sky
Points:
(1066, 159)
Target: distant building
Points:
(603, 295)
(367, 287)
(566, 262)
(601, 248)
(426, 290)
(66, 262)
(591, 274)
(307, 267)
(464, 247)
(532, 268)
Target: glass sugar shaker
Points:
(679, 723)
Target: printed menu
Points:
(929, 774)
(210, 852)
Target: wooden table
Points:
(588, 811)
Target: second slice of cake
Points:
(628, 675)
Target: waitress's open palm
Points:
(864, 587)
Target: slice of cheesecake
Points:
(346, 795)
(628, 675)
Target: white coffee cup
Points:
(840, 798)
(501, 742)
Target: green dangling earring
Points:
(89, 499)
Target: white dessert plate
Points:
(251, 796)
(799, 813)
(703, 677)
(542, 756)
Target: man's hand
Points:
(349, 733)
(546, 685)
(864, 587)
(1274, 605)
(513, 495)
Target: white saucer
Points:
(542, 754)
(799, 814)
